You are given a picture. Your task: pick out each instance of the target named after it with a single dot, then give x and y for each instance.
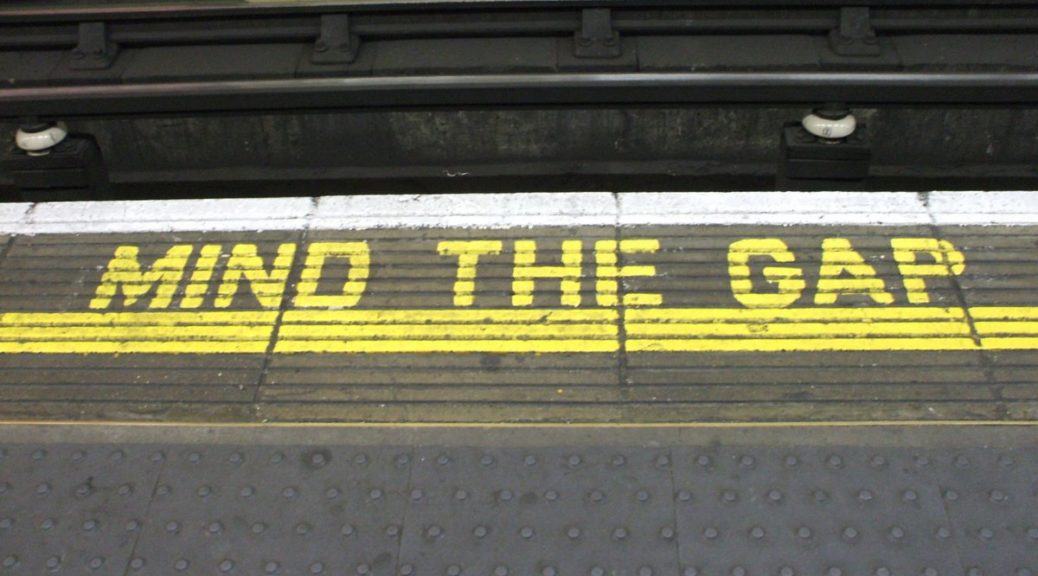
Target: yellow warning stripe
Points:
(522, 330)
(136, 332)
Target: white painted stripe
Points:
(466, 210)
(12, 215)
(495, 211)
(230, 214)
(776, 208)
(984, 208)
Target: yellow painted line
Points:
(863, 314)
(171, 318)
(800, 345)
(445, 346)
(1001, 343)
(799, 329)
(521, 331)
(1004, 328)
(136, 333)
(134, 347)
(1004, 312)
(451, 316)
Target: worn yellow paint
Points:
(136, 332)
(523, 330)
(788, 281)
(468, 253)
(359, 256)
(608, 271)
(126, 274)
(526, 272)
(246, 263)
(840, 260)
(946, 261)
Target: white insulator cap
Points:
(830, 128)
(39, 142)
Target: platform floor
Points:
(748, 384)
(536, 308)
(508, 501)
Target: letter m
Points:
(125, 273)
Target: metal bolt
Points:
(526, 532)
(97, 562)
(347, 530)
(226, 565)
(181, 565)
(137, 563)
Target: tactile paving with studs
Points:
(548, 511)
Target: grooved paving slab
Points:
(657, 323)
